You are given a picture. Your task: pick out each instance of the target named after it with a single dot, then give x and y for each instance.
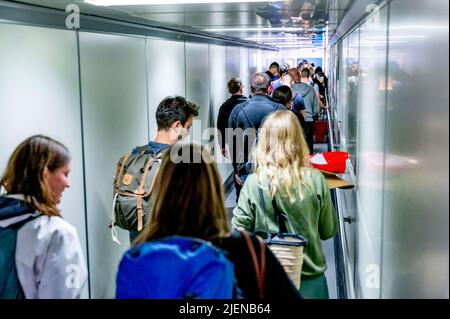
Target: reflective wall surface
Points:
(114, 97)
(39, 94)
(98, 94)
(415, 220)
(166, 72)
(219, 94)
(394, 123)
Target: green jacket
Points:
(313, 217)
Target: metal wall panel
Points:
(232, 62)
(114, 95)
(415, 241)
(39, 94)
(252, 65)
(197, 90)
(370, 153)
(219, 94)
(352, 73)
(244, 70)
(166, 74)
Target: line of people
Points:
(185, 198)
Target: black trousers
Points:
(309, 136)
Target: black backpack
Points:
(133, 185)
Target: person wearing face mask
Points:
(321, 85)
(174, 117)
(40, 253)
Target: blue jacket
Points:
(256, 108)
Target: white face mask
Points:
(182, 133)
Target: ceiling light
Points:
(286, 43)
(402, 27)
(397, 37)
(276, 38)
(154, 2)
(254, 29)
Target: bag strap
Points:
(260, 268)
(119, 171)
(26, 220)
(246, 116)
(280, 219)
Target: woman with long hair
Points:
(283, 173)
(38, 247)
(189, 202)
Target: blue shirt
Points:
(152, 146)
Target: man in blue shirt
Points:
(174, 117)
(248, 117)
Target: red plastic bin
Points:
(335, 162)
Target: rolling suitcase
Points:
(321, 128)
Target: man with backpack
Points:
(248, 117)
(133, 180)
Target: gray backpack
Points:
(133, 185)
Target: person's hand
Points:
(224, 152)
(238, 180)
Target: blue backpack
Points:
(175, 268)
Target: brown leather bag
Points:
(260, 267)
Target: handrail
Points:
(330, 130)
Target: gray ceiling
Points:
(310, 18)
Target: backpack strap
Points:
(119, 170)
(142, 149)
(140, 194)
(260, 268)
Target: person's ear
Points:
(45, 173)
(176, 124)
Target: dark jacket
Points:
(256, 108)
(224, 115)
(248, 115)
(277, 283)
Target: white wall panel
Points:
(197, 89)
(219, 94)
(114, 96)
(166, 74)
(371, 153)
(39, 94)
(244, 70)
(232, 62)
(252, 64)
(416, 227)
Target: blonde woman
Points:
(282, 172)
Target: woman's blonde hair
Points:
(24, 173)
(188, 197)
(281, 153)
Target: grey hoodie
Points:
(309, 97)
(48, 256)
